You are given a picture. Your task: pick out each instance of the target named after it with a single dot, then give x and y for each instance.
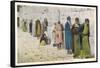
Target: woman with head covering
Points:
(24, 26)
(43, 39)
(38, 28)
(76, 38)
(85, 40)
(68, 35)
(59, 37)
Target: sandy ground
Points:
(28, 50)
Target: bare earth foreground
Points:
(28, 50)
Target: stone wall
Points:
(53, 14)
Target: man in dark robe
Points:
(30, 27)
(45, 24)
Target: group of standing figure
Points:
(75, 37)
(40, 30)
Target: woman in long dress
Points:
(38, 29)
(76, 38)
(68, 35)
(85, 40)
(59, 37)
(24, 26)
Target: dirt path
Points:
(29, 50)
